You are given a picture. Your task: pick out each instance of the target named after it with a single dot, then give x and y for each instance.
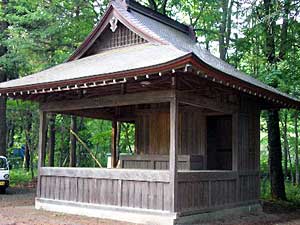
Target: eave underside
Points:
(189, 77)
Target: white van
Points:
(4, 174)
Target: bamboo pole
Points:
(86, 147)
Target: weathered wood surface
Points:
(153, 132)
(174, 114)
(109, 101)
(219, 142)
(110, 40)
(119, 174)
(208, 190)
(205, 102)
(161, 162)
(127, 188)
(42, 147)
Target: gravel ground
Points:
(17, 208)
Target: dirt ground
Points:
(17, 208)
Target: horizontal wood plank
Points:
(114, 174)
(109, 101)
(205, 102)
(206, 175)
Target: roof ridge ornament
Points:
(113, 24)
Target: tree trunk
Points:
(27, 129)
(51, 145)
(73, 127)
(275, 156)
(222, 30)
(274, 142)
(11, 135)
(3, 77)
(291, 167)
(27, 157)
(296, 149)
(285, 143)
(2, 124)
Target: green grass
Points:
(20, 176)
(292, 191)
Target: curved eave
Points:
(276, 100)
(208, 72)
(17, 92)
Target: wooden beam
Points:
(173, 152)
(109, 101)
(205, 102)
(41, 148)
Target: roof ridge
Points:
(146, 11)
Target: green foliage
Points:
(20, 177)
(292, 191)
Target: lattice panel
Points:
(120, 38)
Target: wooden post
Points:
(41, 148)
(173, 152)
(235, 140)
(235, 150)
(114, 137)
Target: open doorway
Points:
(219, 142)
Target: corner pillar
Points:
(173, 152)
(41, 148)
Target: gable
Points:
(115, 35)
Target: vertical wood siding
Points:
(153, 133)
(208, 190)
(115, 192)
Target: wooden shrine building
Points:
(197, 122)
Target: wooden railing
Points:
(161, 162)
(145, 189)
(197, 191)
(208, 190)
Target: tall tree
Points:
(3, 77)
(284, 126)
(225, 27)
(274, 142)
(296, 149)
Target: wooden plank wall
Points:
(117, 191)
(206, 190)
(248, 136)
(161, 162)
(209, 190)
(153, 133)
